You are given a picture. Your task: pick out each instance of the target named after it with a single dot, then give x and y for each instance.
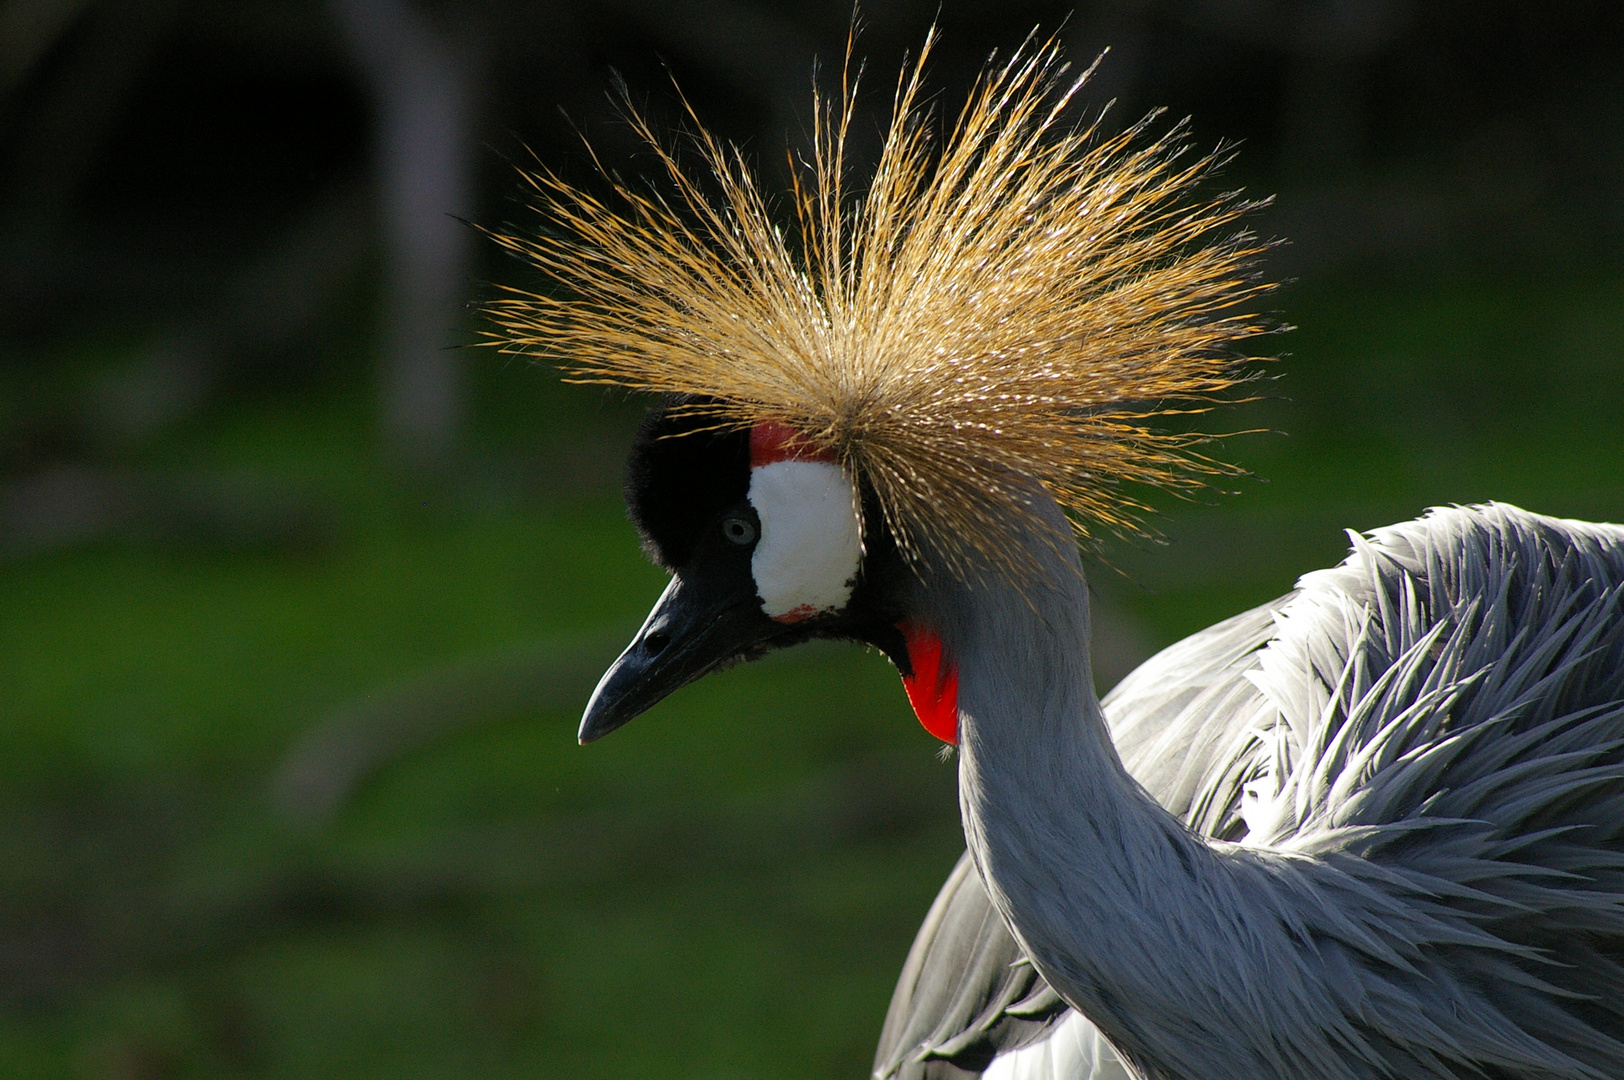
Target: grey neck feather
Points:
(1098, 882)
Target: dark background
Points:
(299, 601)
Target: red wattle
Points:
(933, 688)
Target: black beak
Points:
(694, 628)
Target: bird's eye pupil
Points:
(738, 530)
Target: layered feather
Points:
(1422, 752)
(1438, 725)
(1017, 301)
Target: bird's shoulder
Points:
(1272, 723)
(1463, 642)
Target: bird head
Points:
(895, 387)
(765, 540)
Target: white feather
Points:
(1074, 1050)
(806, 559)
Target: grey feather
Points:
(1401, 791)
(966, 993)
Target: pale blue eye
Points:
(739, 530)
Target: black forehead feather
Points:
(680, 476)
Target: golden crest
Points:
(1014, 303)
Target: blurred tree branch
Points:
(423, 84)
(341, 749)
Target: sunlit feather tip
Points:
(1016, 303)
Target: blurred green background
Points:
(299, 604)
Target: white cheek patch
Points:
(806, 560)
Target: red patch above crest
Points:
(933, 688)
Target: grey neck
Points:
(1082, 863)
(1151, 932)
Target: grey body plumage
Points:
(1390, 839)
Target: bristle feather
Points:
(1010, 309)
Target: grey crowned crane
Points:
(1372, 829)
